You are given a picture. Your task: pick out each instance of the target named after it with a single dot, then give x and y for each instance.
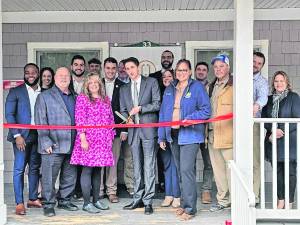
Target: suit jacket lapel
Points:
(128, 86)
(142, 88)
(25, 92)
(55, 92)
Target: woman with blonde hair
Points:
(282, 103)
(93, 147)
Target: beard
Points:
(78, 75)
(31, 84)
(166, 64)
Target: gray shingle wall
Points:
(284, 49)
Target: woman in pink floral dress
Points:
(93, 147)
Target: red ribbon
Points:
(161, 124)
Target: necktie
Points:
(136, 101)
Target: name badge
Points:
(188, 95)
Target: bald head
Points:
(62, 78)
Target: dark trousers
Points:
(77, 189)
(52, 164)
(171, 176)
(90, 177)
(207, 169)
(185, 159)
(144, 157)
(160, 167)
(21, 158)
(292, 180)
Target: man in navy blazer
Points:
(19, 108)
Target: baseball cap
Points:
(222, 57)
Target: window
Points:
(198, 51)
(56, 55)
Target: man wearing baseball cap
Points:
(220, 142)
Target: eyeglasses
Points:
(182, 71)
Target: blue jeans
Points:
(171, 177)
(31, 157)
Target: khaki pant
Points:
(256, 161)
(128, 165)
(111, 172)
(219, 161)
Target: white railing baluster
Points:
(286, 164)
(262, 166)
(274, 165)
(242, 200)
(272, 213)
(298, 165)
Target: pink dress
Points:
(100, 141)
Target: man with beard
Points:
(260, 98)
(78, 69)
(122, 75)
(201, 72)
(167, 58)
(19, 108)
(76, 85)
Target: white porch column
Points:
(243, 88)
(3, 215)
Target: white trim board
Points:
(144, 16)
(33, 47)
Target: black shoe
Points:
(67, 206)
(77, 196)
(148, 209)
(133, 205)
(49, 212)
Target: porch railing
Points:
(269, 211)
(242, 199)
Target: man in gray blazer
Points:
(56, 106)
(140, 102)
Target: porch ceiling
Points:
(135, 5)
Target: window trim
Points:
(191, 46)
(34, 47)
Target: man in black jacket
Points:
(112, 90)
(167, 58)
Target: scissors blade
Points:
(121, 116)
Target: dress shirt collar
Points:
(256, 75)
(30, 88)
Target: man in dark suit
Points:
(167, 59)
(112, 90)
(56, 106)
(140, 102)
(19, 108)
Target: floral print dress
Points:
(98, 112)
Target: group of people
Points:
(82, 157)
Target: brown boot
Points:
(20, 209)
(206, 198)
